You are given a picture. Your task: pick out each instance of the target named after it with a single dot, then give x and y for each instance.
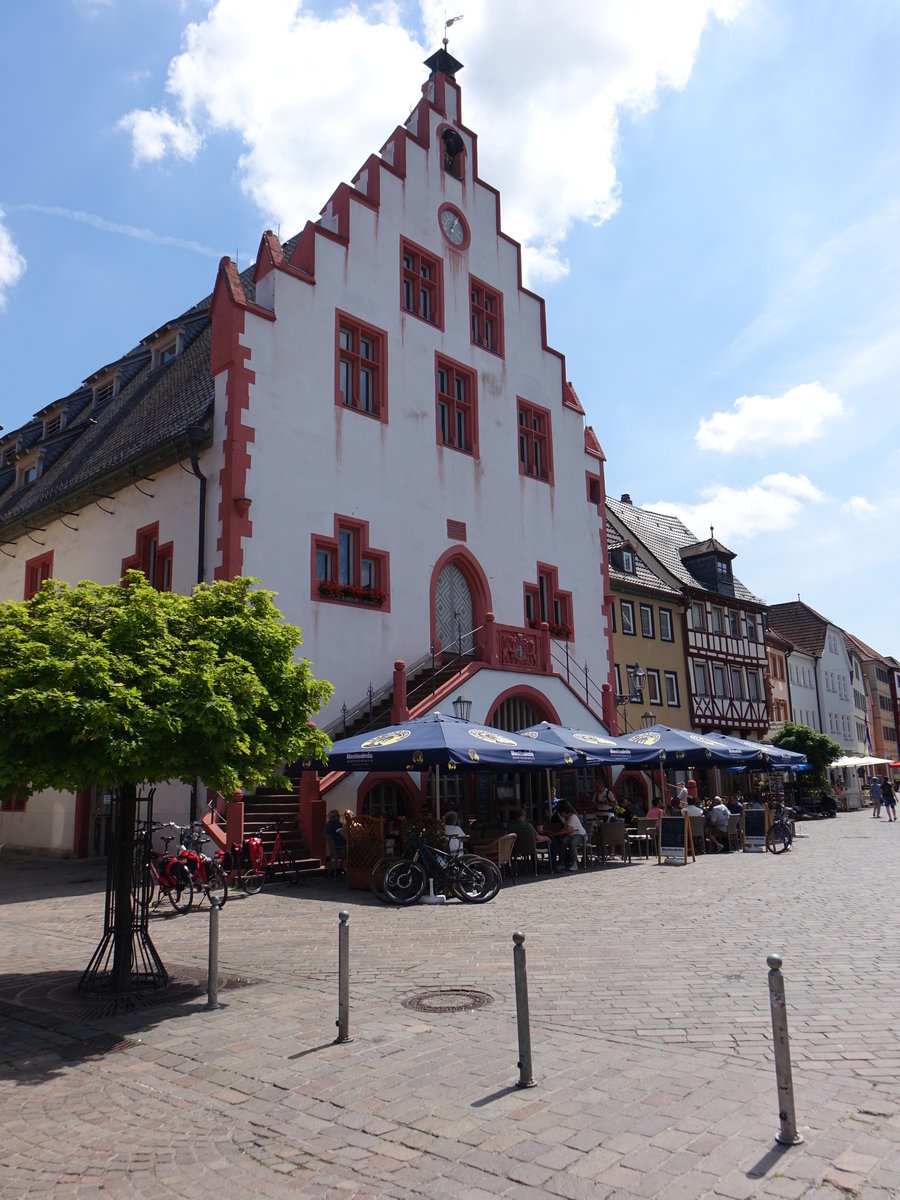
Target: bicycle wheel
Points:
(216, 885)
(181, 890)
(476, 880)
(252, 882)
(778, 839)
(286, 869)
(404, 882)
(376, 878)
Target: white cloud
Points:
(310, 98)
(859, 506)
(12, 264)
(155, 132)
(757, 423)
(771, 505)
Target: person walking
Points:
(875, 793)
(889, 796)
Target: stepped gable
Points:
(665, 537)
(801, 625)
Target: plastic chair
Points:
(698, 833)
(733, 833)
(500, 852)
(611, 839)
(525, 850)
(335, 859)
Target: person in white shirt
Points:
(456, 835)
(693, 809)
(572, 832)
(717, 823)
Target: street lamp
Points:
(462, 707)
(648, 719)
(636, 677)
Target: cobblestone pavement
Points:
(651, 1034)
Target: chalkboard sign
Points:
(675, 838)
(484, 798)
(755, 824)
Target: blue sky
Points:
(707, 192)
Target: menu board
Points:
(755, 824)
(675, 838)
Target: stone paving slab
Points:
(651, 1035)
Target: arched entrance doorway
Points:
(454, 615)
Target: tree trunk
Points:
(124, 875)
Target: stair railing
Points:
(578, 676)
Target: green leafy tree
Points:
(117, 686)
(820, 750)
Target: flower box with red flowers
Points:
(556, 631)
(356, 594)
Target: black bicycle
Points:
(403, 880)
(780, 833)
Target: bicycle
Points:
(469, 877)
(780, 834)
(204, 871)
(280, 864)
(237, 865)
(167, 876)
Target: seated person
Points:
(572, 832)
(735, 804)
(519, 823)
(335, 830)
(456, 835)
(693, 809)
(717, 824)
(656, 811)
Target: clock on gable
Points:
(453, 226)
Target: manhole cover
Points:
(448, 1000)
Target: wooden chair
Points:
(500, 852)
(335, 859)
(611, 839)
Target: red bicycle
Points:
(168, 876)
(206, 874)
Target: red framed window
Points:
(360, 367)
(535, 441)
(456, 405)
(151, 557)
(486, 316)
(37, 569)
(545, 601)
(345, 569)
(421, 283)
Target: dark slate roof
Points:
(701, 549)
(144, 420)
(665, 536)
(118, 442)
(644, 576)
(801, 625)
(777, 639)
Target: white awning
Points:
(866, 761)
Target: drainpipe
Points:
(195, 435)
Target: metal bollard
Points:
(212, 986)
(787, 1134)
(526, 1079)
(343, 1021)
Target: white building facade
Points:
(371, 422)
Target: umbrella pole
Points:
(437, 792)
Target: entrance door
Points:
(453, 610)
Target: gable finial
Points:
(712, 536)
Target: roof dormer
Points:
(710, 564)
(623, 558)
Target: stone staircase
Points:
(419, 687)
(264, 808)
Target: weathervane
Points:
(447, 24)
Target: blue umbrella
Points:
(775, 757)
(683, 748)
(591, 748)
(438, 740)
